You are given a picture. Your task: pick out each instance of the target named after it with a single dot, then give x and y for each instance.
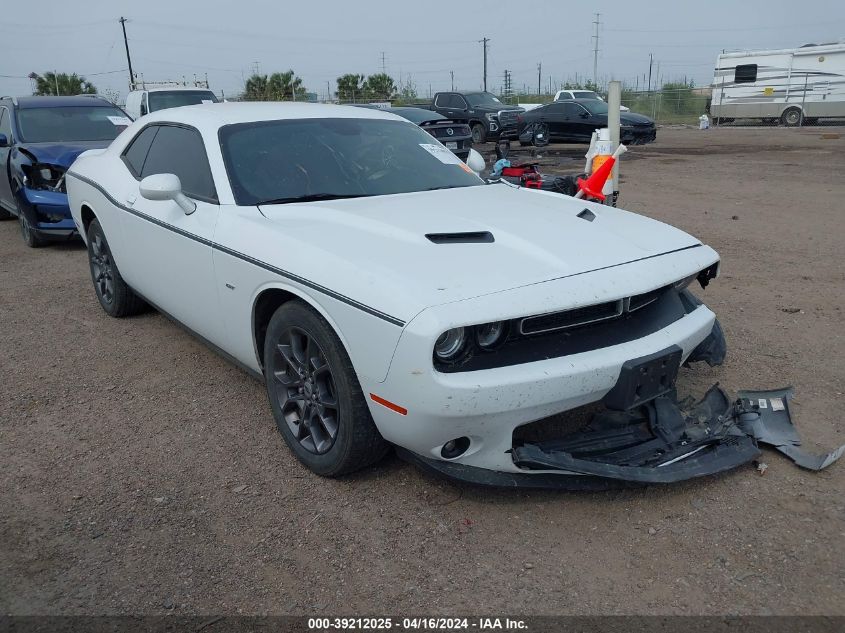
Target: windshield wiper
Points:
(314, 197)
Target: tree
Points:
(51, 83)
(407, 92)
(379, 86)
(285, 87)
(350, 87)
(255, 88)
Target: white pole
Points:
(614, 106)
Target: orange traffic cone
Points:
(593, 186)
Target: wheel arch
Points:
(87, 215)
(271, 298)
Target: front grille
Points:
(571, 318)
(508, 117)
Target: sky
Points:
(323, 39)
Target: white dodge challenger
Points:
(388, 295)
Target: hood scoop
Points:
(466, 237)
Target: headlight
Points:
(491, 116)
(41, 176)
(450, 344)
(489, 335)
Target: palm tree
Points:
(255, 88)
(285, 87)
(51, 83)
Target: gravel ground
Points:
(141, 473)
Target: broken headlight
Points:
(44, 177)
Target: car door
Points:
(553, 116)
(5, 184)
(168, 253)
(583, 123)
(454, 106)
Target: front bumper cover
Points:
(662, 441)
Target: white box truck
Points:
(791, 86)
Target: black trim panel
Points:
(223, 249)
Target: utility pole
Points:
(122, 21)
(328, 92)
(650, 62)
(539, 77)
(596, 54)
(452, 74)
(383, 64)
(484, 41)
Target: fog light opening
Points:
(455, 448)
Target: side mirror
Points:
(584, 115)
(475, 161)
(4, 140)
(166, 187)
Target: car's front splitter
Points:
(663, 441)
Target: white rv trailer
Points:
(788, 85)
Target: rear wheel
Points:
(791, 117)
(315, 396)
(115, 297)
(479, 134)
(30, 237)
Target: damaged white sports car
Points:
(387, 295)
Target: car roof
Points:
(92, 101)
(219, 114)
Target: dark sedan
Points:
(454, 134)
(574, 122)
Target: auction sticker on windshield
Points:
(120, 120)
(441, 153)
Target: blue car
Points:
(39, 139)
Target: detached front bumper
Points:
(48, 213)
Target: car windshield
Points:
(586, 94)
(311, 159)
(70, 123)
(482, 99)
(160, 100)
(595, 107)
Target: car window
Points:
(564, 95)
(70, 123)
(181, 151)
(443, 101)
(135, 155)
(297, 158)
(745, 73)
(587, 94)
(160, 100)
(5, 124)
(572, 109)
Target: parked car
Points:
(455, 135)
(382, 291)
(489, 118)
(569, 95)
(575, 121)
(152, 99)
(39, 138)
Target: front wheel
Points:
(479, 134)
(315, 396)
(115, 297)
(791, 117)
(30, 237)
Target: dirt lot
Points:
(141, 473)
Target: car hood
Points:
(377, 249)
(632, 118)
(60, 154)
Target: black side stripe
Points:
(256, 262)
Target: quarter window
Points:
(5, 124)
(136, 153)
(745, 74)
(181, 151)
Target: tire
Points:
(479, 133)
(30, 237)
(116, 298)
(791, 117)
(304, 357)
(5, 215)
